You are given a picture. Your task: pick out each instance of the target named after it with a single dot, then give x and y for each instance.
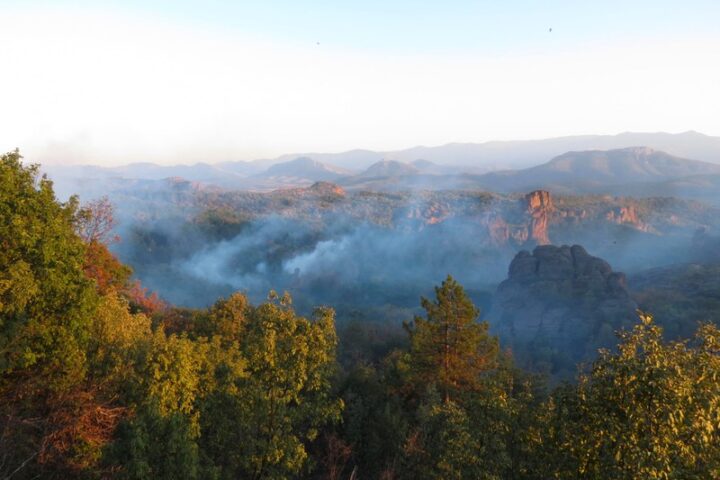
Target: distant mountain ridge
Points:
(493, 155)
(625, 164)
(634, 171)
(514, 154)
(389, 168)
(305, 168)
(622, 171)
(588, 169)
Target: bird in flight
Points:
(551, 30)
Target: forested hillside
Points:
(100, 379)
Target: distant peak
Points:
(390, 168)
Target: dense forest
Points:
(101, 379)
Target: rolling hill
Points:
(586, 170)
(637, 171)
(304, 168)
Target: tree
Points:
(375, 421)
(650, 410)
(286, 395)
(45, 300)
(95, 222)
(443, 446)
(227, 318)
(153, 446)
(46, 310)
(450, 348)
(118, 340)
(109, 274)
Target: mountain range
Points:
(501, 155)
(645, 168)
(639, 171)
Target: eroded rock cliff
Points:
(563, 302)
(539, 207)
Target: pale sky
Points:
(188, 81)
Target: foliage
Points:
(105, 269)
(155, 446)
(251, 384)
(286, 395)
(95, 222)
(449, 348)
(650, 410)
(45, 299)
(443, 445)
(50, 418)
(375, 420)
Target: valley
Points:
(359, 240)
(559, 260)
(370, 243)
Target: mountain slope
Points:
(588, 170)
(304, 168)
(389, 168)
(623, 165)
(498, 155)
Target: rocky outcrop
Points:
(326, 188)
(524, 224)
(526, 221)
(627, 215)
(562, 300)
(428, 214)
(539, 206)
(623, 215)
(538, 200)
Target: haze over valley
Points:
(377, 240)
(370, 232)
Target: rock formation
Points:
(627, 216)
(524, 224)
(326, 188)
(539, 206)
(563, 301)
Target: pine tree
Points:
(450, 348)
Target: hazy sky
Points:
(185, 81)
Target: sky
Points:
(206, 81)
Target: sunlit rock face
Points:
(524, 224)
(539, 206)
(563, 299)
(628, 215)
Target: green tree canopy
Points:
(450, 348)
(45, 299)
(649, 410)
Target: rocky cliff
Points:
(539, 207)
(628, 215)
(524, 224)
(561, 301)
